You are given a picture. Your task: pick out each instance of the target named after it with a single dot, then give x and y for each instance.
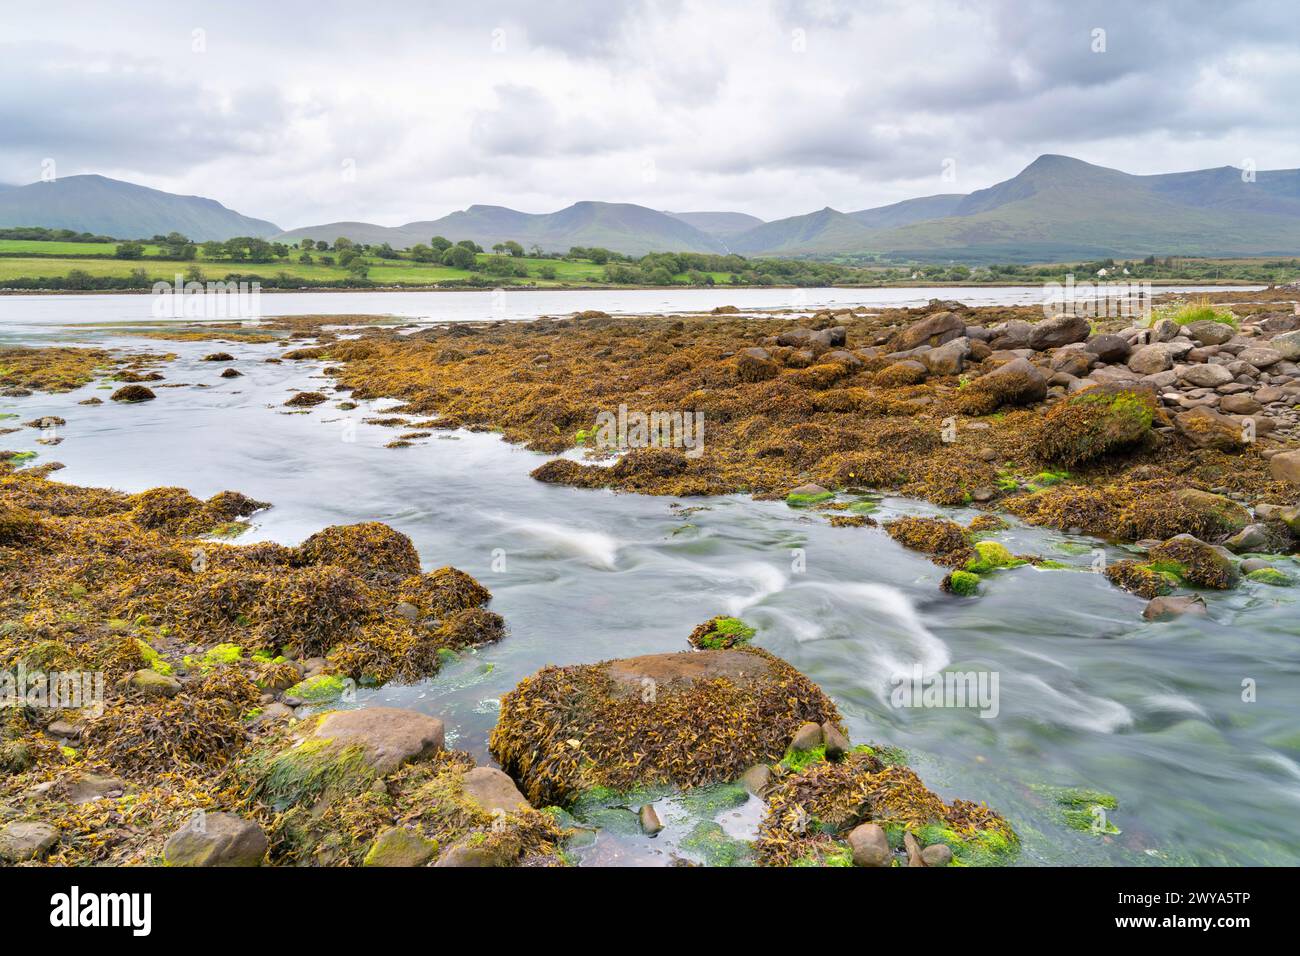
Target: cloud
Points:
(774, 108)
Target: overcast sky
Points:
(391, 112)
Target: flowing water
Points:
(1089, 694)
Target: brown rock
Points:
(1285, 466)
(1164, 608)
(870, 845)
(390, 736)
(932, 330)
(216, 839)
(837, 744)
(493, 790)
(808, 736)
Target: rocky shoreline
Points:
(215, 742)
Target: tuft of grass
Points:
(1199, 311)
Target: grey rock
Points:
(1260, 357)
(1285, 466)
(1058, 331)
(1206, 376)
(1209, 332)
(1287, 345)
(26, 840)
(1109, 348)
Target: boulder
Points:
(398, 846)
(1058, 331)
(1260, 357)
(1206, 428)
(1150, 359)
(907, 372)
(1109, 348)
(913, 849)
(1013, 334)
(947, 359)
(216, 839)
(1240, 404)
(1165, 330)
(1018, 382)
(692, 718)
(1285, 466)
(388, 736)
(1287, 345)
(93, 786)
(1209, 332)
(1206, 376)
(932, 330)
(1252, 538)
(870, 845)
(26, 840)
(473, 852)
(755, 365)
(493, 790)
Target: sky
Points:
(390, 112)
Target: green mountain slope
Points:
(824, 232)
(110, 207)
(1061, 208)
(719, 225)
(622, 227)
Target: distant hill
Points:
(908, 211)
(110, 207)
(824, 232)
(1061, 208)
(719, 225)
(1057, 208)
(622, 227)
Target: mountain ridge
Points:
(1057, 207)
(114, 207)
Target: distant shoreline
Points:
(1155, 283)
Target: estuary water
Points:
(1089, 694)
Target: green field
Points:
(44, 248)
(59, 258)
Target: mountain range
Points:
(110, 207)
(1057, 208)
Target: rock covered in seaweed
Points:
(683, 719)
